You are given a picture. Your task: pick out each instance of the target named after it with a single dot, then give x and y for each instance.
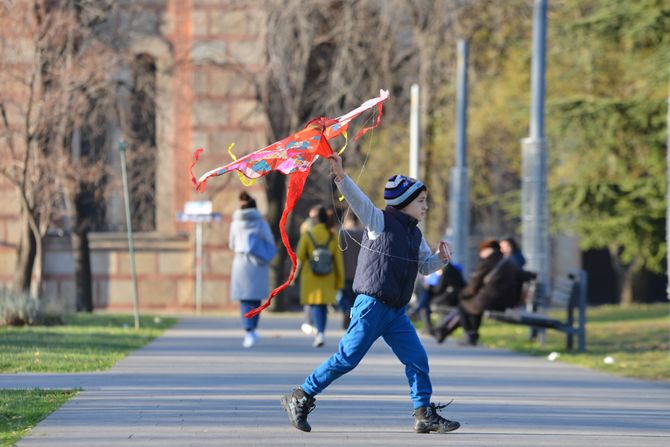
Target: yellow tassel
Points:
(230, 151)
(346, 141)
(245, 181)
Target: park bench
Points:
(569, 293)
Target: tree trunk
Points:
(25, 255)
(82, 267)
(624, 277)
(627, 288)
(628, 293)
(80, 251)
(275, 190)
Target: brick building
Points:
(204, 53)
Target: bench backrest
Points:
(564, 293)
(529, 291)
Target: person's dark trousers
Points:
(470, 324)
(423, 308)
(447, 325)
(450, 322)
(319, 316)
(249, 324)
(347, 302)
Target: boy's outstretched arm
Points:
(430, 262)
(371, 216)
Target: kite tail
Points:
(295, 187)
(380, 109)
(199, 186)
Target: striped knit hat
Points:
(401, 190)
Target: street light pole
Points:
(129, 227)
(534, 206)
(667, 201)
(459, 202)
(414, 132)
(667, 198)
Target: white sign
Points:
(213, 217)
(198, 207)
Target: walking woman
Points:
(252, 242)
(321, 271)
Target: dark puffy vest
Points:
(387, 266)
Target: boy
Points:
(392, 253)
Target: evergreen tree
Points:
(607, 88)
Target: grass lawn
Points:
(636, 338)
(20, 410)
(87, 342)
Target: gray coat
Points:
(250, 277)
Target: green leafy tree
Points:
(607, 84)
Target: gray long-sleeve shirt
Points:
(373, 219)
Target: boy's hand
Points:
(336, 166)
(445, 251)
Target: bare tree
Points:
(31, 113)
(326, 56)
(56, 124)
(323, 58)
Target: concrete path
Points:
(196, 386)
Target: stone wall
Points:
(206, 53)
(164, 266)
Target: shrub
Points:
(17, 308)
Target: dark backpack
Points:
(320, 260)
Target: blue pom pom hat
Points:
(400, 190)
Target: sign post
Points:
(198, 212)
(129, 228)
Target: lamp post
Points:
(534, 206)
(129, 227)
(667, 200)
(414, 130)
(459, 202)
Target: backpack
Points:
(261, 249)
(320, 260)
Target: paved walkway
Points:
(196, 386)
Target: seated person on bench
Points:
(450, 284)
(439, 289)
(494, 285)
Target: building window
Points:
(142, 158)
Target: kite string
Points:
(343, 243)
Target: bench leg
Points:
(569, 341)
(581, 339)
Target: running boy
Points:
(392, 253)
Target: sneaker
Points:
(469, 340)
(428, 420)
(298, 405)
(428, 330)
(308, 329)
(249, 340)
(441, 334)
(319, 340)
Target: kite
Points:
(292, 156)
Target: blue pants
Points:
(319, 313)
(372, 319)
(249, 324)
